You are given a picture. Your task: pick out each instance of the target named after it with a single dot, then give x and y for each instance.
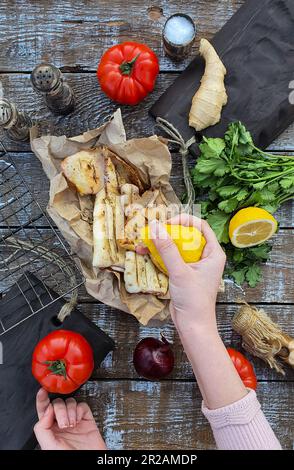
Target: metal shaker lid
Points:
(6, 111)
(45, 77)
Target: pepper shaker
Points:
(48, 80)
(15, 123)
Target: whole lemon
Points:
(189, 241)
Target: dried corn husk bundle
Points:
(263, 338)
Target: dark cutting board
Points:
(18, 386)
(257, 48)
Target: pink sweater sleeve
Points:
(242, 426)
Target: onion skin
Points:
(153, 359)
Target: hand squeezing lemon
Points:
(189, 241)
(248, 227)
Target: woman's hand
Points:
(66, 425)
(193, 291)
(193, 287)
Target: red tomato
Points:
(127, 72)
(62, 361)
(244, 368)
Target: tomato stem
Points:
(127, 67)
(57, 367)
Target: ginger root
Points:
(208, 101)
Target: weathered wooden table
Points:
(133, 413)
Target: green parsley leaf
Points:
(287, 182)
(219, 222)
(226, 191)
(261, 251)
(205, 205)
(212, 148)
(213, 165)
(207, 166)
(253, 275)
(238, 255)
(266, 195)
(241, 195)
(259, 185)
(201, 181)
(239, 275)
(221, 169)
(228, 205)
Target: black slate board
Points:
(257, 48)
(18, 387)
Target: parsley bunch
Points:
(230, 174)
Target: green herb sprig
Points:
(230, 174)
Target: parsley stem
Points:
(265, 178)
(266, 163)
(271, 155)
(288, 197)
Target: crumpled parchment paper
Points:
(72, 213)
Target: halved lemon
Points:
(251, 226)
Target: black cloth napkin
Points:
(18, 387)
(257, 48)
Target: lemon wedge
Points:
(251, 226)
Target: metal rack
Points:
(29, 243)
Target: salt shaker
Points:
(48, 80)
(178, 34)
(15, 123)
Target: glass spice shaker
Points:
(178, 35)
(15, 123)
(48, 80)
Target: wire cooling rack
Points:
(29, 243)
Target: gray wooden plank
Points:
(31, 170)
(93, 108)
(126, 332)
(275, 287)
(277, 282)
(167, 415)
(74, 36)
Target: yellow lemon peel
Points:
(189, 241)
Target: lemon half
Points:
(251, 226)
(189, 241)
